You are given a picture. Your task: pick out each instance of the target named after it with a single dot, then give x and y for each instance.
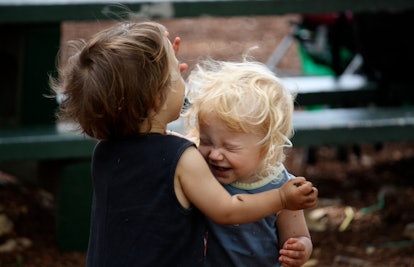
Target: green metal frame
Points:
(89, 10)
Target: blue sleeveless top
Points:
(137, 219)
(246, 245)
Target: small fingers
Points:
(311, 197)
(314, 191)
(307, 188)
(298, 181)
(183, 67)
(176, 44)
(291, 257)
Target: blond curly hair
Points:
(248, 98)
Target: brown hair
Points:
(114, 80)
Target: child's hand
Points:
(293, 253)
(297, 193)
(176, 46)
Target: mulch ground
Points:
(365, 214)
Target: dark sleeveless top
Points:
(136, 217)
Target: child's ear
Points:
(158, 104)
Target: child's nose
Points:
(215, 154)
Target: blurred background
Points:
(354, 60)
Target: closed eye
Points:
(205, 142)
(233, 148)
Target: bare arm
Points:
(195, 184)
(294, 238)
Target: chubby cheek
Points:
(244, 170)
(246, 167)
(204, 151)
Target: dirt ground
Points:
(366, 206)
(377, 233)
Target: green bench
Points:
(43, 143)
(330, 90)
(344, 126)
(346, 112)
(60, 163)
(28, 132)
(346, 91)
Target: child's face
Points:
(231, 156)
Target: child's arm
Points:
(294, 238)
(195, 184)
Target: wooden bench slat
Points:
(330, 90)
(43, 142)
(312, 127)
(353, 125)
(353, 118)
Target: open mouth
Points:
(219, 170)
